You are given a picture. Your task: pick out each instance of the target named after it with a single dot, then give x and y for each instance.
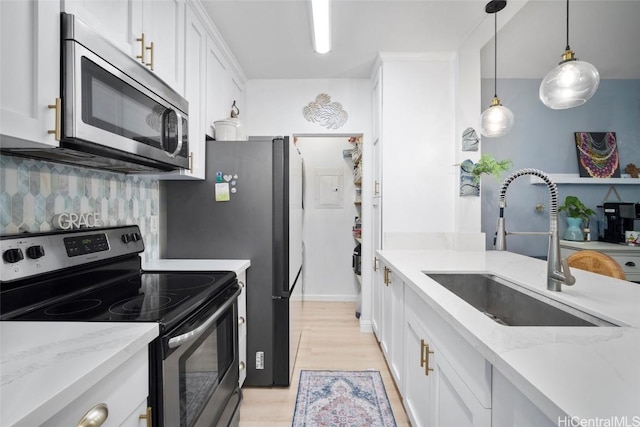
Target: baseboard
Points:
(366, 326)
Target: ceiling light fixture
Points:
(497, 120)
(321, 13)
(571, 83)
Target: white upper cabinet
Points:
(223, 87)
(163, 25)
(30, 73)
(217, 104)
(119, 21)
(150, 31)
(195, 69)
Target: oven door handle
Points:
(192, 335)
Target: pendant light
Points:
(571, 83)
(496, 120)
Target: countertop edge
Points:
(88, 377)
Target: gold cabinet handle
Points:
(424, 357)
(387, 279)
(150, 49)
(191, 162)
(147, 416)
(95, 416)
(57, 131)
(142, 46)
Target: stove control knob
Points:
(13, 255)
(135, 236)
(126, 238)
(35, 252)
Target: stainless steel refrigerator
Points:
(249, 207)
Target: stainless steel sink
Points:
(512, 305)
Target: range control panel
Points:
(27, 255)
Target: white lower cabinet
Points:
(242, 327)
(446, 382)
(376, 299)
(392, 322)
(124, 392)
(510, 408)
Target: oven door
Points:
(200, 369)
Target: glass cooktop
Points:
(144, 297)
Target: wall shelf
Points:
(574, 178)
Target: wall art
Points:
(597, 154)
(470, 140)
(329, 114)
(469, 185)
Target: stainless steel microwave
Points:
(115, 114)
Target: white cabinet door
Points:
(217, 107)
(396, 348)
(123, 390)
(30, 71)
(223, 87)
(242, 328)
(385, 313)
(119, 21)
(453, 403)
(163, 25)
(417, 387)
(434, 392)
(150, 31)
(376, 298)
(195, 77)
(511, 408)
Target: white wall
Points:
(327, 231)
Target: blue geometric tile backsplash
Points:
(32, 192)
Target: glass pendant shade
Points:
(497, 120)
(569, 85)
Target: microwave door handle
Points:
(178, 136)
(192, 335)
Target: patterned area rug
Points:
(342, 399)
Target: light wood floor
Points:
(331, 340)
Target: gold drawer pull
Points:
(95, 416)
(150, 49)
(57, 131)
(424, 357)
(141, 56)
(147, 416)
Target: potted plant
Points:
(487, 164)
(577, 213)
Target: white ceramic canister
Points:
(226, 130)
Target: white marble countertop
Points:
(166, 264)
(601, 246)
(44, 366)
(586, 372)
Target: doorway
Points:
(329, 218)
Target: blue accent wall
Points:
(542, 138)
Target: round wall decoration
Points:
(326, 113)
